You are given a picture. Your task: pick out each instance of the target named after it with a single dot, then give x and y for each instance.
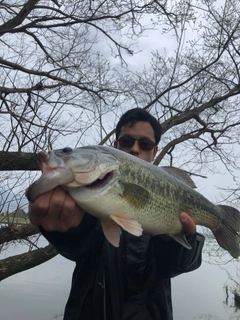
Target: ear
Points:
(115, 144)
(155, 150)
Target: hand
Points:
(189, 226)
(55, 210)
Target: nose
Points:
(135, 149)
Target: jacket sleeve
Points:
(172, 258)
(74, 243)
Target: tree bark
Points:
(14, 232)
(18, 161)
(25, 261)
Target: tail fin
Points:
(226, 234)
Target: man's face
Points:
(138, 130)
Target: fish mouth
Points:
(101, 183)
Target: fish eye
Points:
(67, 150)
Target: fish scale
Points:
(167, 194)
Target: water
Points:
(38, 294)
(41, 293)
(201, 295)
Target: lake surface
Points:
(41, 293)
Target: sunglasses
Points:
(144, 143)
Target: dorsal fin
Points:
(181, 175)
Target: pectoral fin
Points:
(181, 238)
(131, 226)
(111, 231)
(135, 195)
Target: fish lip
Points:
(42, 157)
(52, 161)
(49, 180)
(49, 161)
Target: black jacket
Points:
(131, 282)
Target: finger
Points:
(51, 220)
(70, 216)
(189, 226)
(39, 208)
(55, 211)
(57, 201)
(46, 209)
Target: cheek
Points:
(147, 157)
(127, 150)
(117, 146)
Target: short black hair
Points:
(138, 114)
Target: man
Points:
(131, 282)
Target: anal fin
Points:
(181, 238)
(111, 231)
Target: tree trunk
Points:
(18, 161)
(17, 232)
(25, 261)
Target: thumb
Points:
(189, 226)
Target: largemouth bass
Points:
(125, 191)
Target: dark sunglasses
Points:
(144, 143)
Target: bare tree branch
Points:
(25, 261)
(17, 232)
